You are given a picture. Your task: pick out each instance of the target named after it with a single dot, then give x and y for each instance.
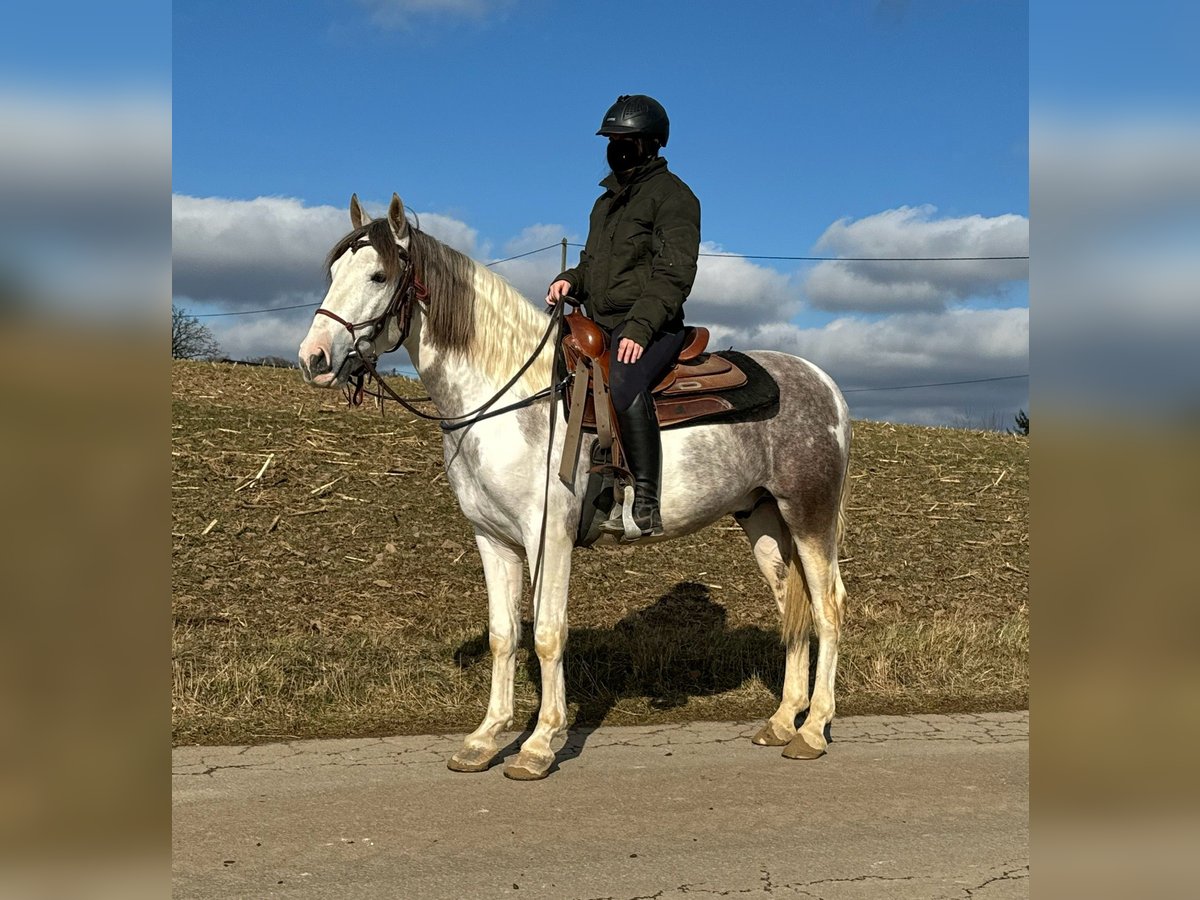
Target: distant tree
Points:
(190, 338)
(970, 420)
(277, 361)
(1022, 421)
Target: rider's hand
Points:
(629, 351)
(558, 290)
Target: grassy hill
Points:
(341, 594)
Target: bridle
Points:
(409, 291)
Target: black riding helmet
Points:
(639, 116)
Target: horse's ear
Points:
(396, 218)
(358, 215)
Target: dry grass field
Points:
(336, 591)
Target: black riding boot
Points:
(642, 443)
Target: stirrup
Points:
(616, 527)
(620, 522)
(626, 527)
(614, 524)
(653, 526)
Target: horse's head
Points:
(366, 309)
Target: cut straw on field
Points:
(341, 593)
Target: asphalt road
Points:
(930, 807)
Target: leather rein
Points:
(409, 292)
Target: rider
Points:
(634, 273)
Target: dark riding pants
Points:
(627, 380)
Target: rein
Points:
(480, 413)
(412, 290)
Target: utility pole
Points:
(564, 255)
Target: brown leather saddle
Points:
(690, 390)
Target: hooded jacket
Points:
(640, 258)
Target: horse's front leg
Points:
(549, 640)
(502, 569)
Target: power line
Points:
(248, 312)
(906, 387)
(496, 262)
(854, 258)
(867, 258)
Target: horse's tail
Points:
(839, 587)
(797, 603)
(845, 497)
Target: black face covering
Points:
(626, 154)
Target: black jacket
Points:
(640, 259)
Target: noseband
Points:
(409, 291)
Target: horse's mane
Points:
(472, 310)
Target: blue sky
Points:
(782, 124)
(907, 122)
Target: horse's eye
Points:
(379, 278)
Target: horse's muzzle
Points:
(315, 364)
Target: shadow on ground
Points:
(677, 648)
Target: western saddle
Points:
(690, 389)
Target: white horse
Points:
(467, 331)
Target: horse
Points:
(784, 478)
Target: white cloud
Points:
(904, 348)
(914, 232)
(243, 254)
(531, 275)
(251, 252)
(739, 293)
(728, 290)
(451, 231)
(398, 13)
(269, 250)
(910, 349)
(539, 235)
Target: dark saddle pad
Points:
(695, 396)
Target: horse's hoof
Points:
(769, 736)
(799, 748)
(528, 767)
(471, 759)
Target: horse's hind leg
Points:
(818, 556)
(502, 569)
(773, 549)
